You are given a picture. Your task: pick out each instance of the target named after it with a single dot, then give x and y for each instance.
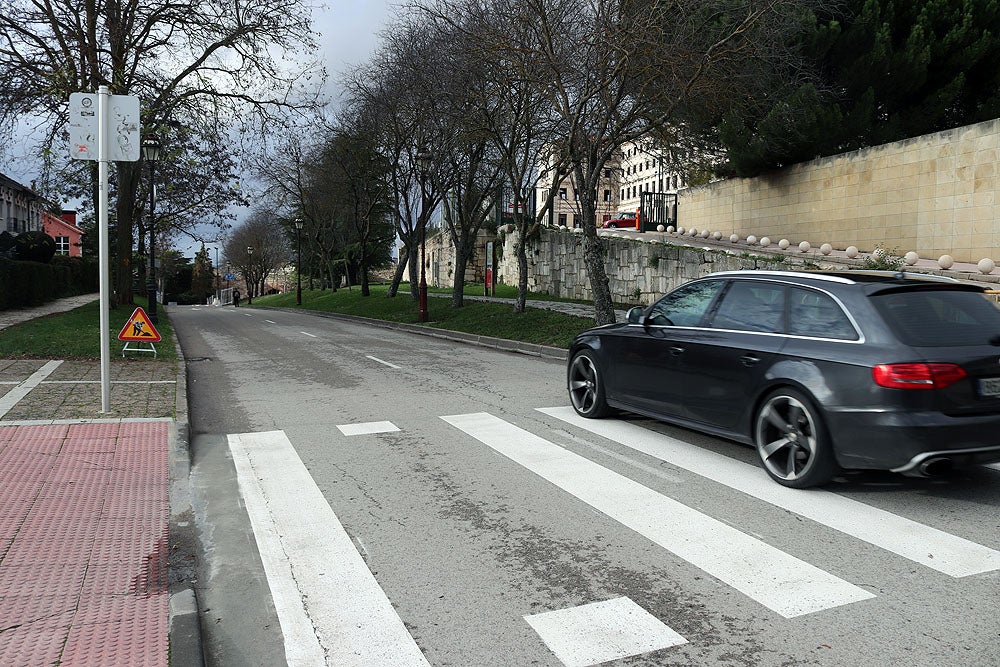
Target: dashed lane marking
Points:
(384, 363)
(777, 580)
(601, 631)
(330, 607)
(367, 428)
(308, 334)
(915, 541)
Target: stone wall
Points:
(641, 268)
(934, 194)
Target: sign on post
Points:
(139, 329)
(123, 127)
(104, 127)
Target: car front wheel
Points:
(792, 442)
(586, 386)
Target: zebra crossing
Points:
(305, 549)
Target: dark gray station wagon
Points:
(820, 371)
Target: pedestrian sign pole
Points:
(139, 329)
(89, 140)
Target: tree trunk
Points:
(397, 276)
(521, 252)
(121, 267)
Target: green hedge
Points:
(25, 284)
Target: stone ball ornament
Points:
(765, 241)
(671, 229)
(946, 261)
(734, 238)
(660, 228)
(717, 236)
(784, 243)
(805, 246)
(751, 240)
(910, 258)
(852, 251)
(681, 230)
(986, 265)
(826, 248)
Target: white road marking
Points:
(773, 578)
(331, 609)
(915, 541)
(995, 466)
(270, 321)
(112, 382)
(308, 334)
(386, 363)
(367, 428)
(10, 399)
(602, 631)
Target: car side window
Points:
(685, 306)
(751, 306)
(813, 313)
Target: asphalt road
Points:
(374, 497)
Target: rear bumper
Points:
(903, 441)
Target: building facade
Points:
(21, 209)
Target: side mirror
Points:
(635, 316)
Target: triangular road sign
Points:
(139, 329)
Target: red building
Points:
(64, 230)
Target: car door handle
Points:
(676, 350)
(749, 359)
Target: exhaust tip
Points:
(936, 466)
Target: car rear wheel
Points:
(586, 386)
(792, 442)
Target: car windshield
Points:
(940, 318)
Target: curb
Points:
(185, 622)
(502, 344)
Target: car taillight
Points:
(917, 376)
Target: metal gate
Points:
(657, 208)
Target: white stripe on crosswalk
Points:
(331, 609)
(773, 578)
(922, 544)
(10, 399)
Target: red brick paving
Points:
(83, 544)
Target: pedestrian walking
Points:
(236, 298)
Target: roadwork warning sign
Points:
(139, 329)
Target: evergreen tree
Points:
(201, 275)
(886, 71)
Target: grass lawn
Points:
(76, 334)
(536, 325)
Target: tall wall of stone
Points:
(641, 268)
(935, 194)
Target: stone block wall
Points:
(935, 194)
(641, 268)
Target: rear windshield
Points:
(934, 318)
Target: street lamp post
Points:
(151, 153)
(423, 162)
(298, 261)
(249, 286)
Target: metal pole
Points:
(424, 315)
(151, 285)
(298, 264)
(103, 100)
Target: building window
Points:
(562, 219)
(62, 245)
(562, 193)
(607, 195)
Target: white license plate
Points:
(989, 387)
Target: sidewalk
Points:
(85, 535)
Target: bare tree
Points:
(225, 62)
(614, 70)
(257, 248)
